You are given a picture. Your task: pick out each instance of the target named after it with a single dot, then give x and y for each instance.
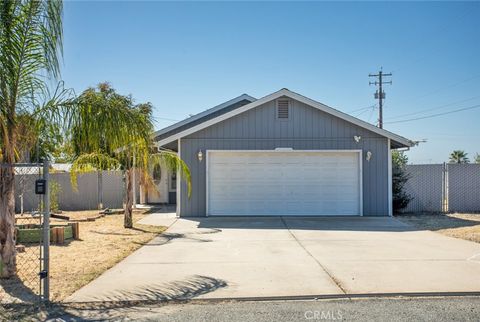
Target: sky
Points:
(185, 57)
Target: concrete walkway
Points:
(263, 257)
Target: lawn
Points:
(464, 226)
(103, 243)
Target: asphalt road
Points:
(384, 309)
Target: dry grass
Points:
(103, 243)
(464, 226)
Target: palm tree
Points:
(477, 158)
(110, 132)
(30, 46)
(459, 156)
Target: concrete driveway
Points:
(225, 257)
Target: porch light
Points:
(200, 155)
(369, 155)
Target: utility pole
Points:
(380, 94)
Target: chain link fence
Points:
(443, 188)
(26, 285)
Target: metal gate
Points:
(32, 232)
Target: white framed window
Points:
(172, 186)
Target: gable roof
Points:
(196, 119)
(397, 139)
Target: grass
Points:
(103, 243)
(463, 226)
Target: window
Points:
(157, 172)
(173, 182)
(283, 109)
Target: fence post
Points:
(445, 188)
(46, 233)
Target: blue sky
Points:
(187, 57)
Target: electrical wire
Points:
(433, 108)
(361, 109)
(435, 115)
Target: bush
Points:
(399, 177)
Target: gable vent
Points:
(283, 109)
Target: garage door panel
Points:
(283, 183)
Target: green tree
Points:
(458, 156)
(110, 132)
(477, 158)
(399, 178)
(30, 45)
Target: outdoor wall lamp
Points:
(200, 155)
(357, 138)
(369, 155)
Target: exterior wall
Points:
(307, 129)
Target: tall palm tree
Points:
(110, 132)
(30, 47)
(459, 156)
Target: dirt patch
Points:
(103, 243)
(464, 226)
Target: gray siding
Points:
(307, 129)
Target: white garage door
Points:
(283, 183)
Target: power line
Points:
(440, 89)
(435, 115)
(361, 109)
(165, 119)
(371, 108)
(433, 108)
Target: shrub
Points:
(401, 199)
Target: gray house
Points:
(283, 154)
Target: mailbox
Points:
(40, 186)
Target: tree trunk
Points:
(128, 220)
(100, 189)
(7, 222)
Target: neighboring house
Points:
(283, 154)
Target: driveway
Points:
(221, 257)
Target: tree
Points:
(30, 45)
(458, 156)
(399, 178)
(110, 132)
(477, 158)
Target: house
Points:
(283, 154)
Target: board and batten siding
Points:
(306, 129)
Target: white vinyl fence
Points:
(444, 188)
(85, 197)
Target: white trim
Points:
(297, 97)
(204, 113)
(360, 169)
(207, 179)
(179, 181)
(390, 182)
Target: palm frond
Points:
(173, 163)
(92, 162)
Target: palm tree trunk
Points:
(7, 222)
(128, 220)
